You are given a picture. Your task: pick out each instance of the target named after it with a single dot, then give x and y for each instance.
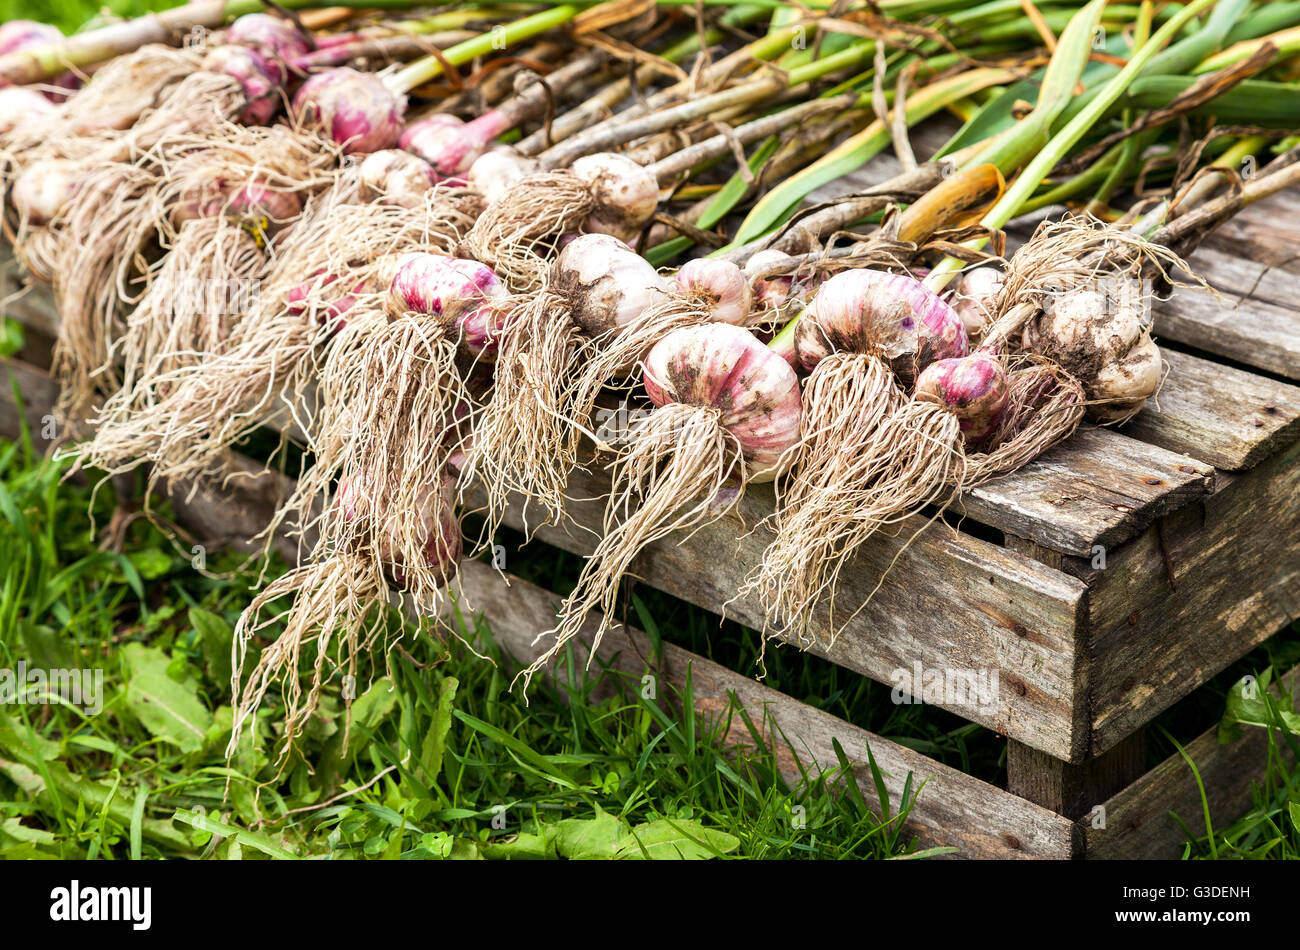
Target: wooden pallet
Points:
(1102, 583)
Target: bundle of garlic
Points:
(726, 413)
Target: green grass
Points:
(71, 15)
(442, 760)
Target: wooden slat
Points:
(1235, 564)
(1139, 822)
(1242, 281)
(1261, 330)
(1074, 790)
(1267, 232)
(38, 392)
(953, 808)
(1218, 414)
(1099, 488)
(950, 601)
(34, 308)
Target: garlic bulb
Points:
(880, 313)
(329, 306)
(272, 36)
(605, 282)
(1101, 336)
(258, 76)
(418, 134)
(451, 148)
(1122, 387)
(257, 201)
(626, 194)
(973, 388)
(975, 295)
(726, 367)
(495, 172)
(770, 293)
(20, 106)
(392, 176)
(355, 109)
(719, 286)
(466, 295)
(42, 189)
(17, 35)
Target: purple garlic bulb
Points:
(770, 293)
(18, 35)
(258, 76)
(276, 39)
(973, 388)
(466, 295)
(355, 109)
(331, 309)
(879, 313)
(719, 286)
(452, 147)
(727, 368)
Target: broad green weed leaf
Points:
(169, 710)
(583, 839)
(676, 839)
(215, 639)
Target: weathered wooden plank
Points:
(35, 307)
(1098, 489)
(1262, 329)
(950, 601)
(1234, 561)
(1228, 417)
(1243, 281)
(1074, 790)
(1138, 820)
(38, 392)
(952, 810)
(1267, 232)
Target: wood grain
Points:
(1235, 566)
(950, 601)
(34, 307)
(1099, 488)
(1262, 330)
(1228, 417)
(1267, 232)
(1074, 790)
(1139, 822)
